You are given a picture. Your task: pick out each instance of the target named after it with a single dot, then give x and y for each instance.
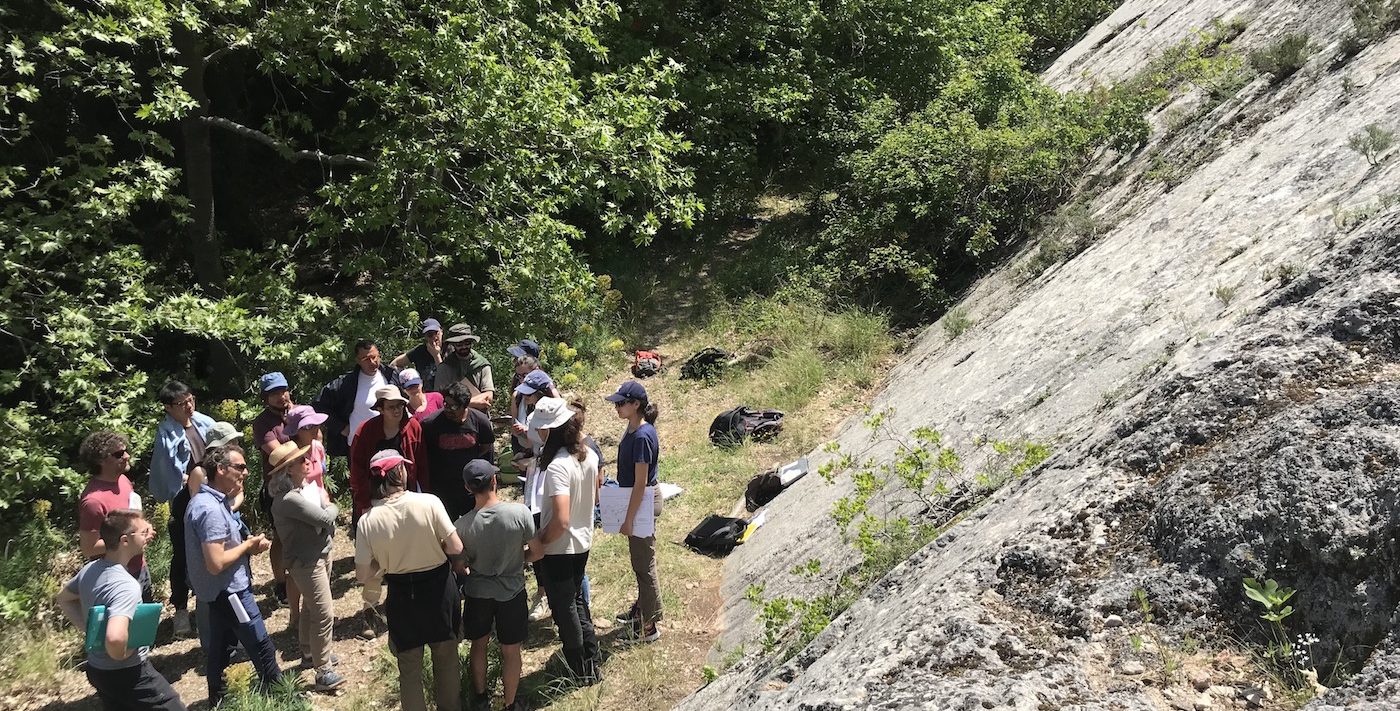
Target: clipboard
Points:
(140, 633)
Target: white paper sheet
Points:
(668, 490)
(613, 501)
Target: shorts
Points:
(511, 618)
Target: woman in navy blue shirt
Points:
(637, 457)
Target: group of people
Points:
(436, 547)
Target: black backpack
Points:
(716, 535)
(706, 364)
(761, 489)
(732, 427)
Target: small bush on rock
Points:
(1283, 58)
(1372, 142)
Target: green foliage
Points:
(956, 322)
(1282, 58)
(1370, 20)
(1372, 142)
(1290, 660)
(29, 574)
(1272, 597)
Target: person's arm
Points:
(217, 558)
(366, 570)
(71, 604)
(452, 545)
(117, 628)
(401, 361)
(195, 480)
(560, 523)
(297, 507)
(90, 542)
(90, 516)
(165, 476)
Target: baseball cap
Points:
(302, 416)
(535, 381)
(271, 381)
(408, 377)
(525, 347)
(430, 325)
(630, 390)
(386, 459)
(478, 472)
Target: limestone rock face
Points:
(1219, 375)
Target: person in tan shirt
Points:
(406, 539)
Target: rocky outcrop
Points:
(1218, 374)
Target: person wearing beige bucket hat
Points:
(305, 518)
(393, 428)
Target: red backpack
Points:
(646, 364)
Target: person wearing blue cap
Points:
(637, 456)
(425, 356)
(268, 429)
(535, 385)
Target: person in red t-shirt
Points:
(107, 460)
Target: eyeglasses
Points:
(187, 402)
(119, 454)
(240, 467)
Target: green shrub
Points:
(1282, 58)
(1372, 142)
(30, 573)
(1370, 21)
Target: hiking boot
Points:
(639, 634)
(540, 611)
(183, 628)
(373, 623)
(279, 592)
(327, 679)
(517, 705)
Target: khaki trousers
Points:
(317, 618)
(642, 551)
(447, 677)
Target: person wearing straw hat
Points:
(565, 534)
(394, 429)
(305, 519)
(465, 365)
(406, 538)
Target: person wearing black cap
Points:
(426, 356)
(494, 538)
(637, 456)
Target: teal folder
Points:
(140, 633)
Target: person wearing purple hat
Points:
(267, 434)
(426, 356)
(637, 455)
(303, 426)
(406, 538)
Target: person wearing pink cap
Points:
(406, 538)
(303, 426)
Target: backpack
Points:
(732, 427)
(707, 363)
(716, 535)
(646, 364)
(762, 489)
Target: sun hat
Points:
(220, 434)
(408, 377)
(283, 455)
(478, 472)
(386, 459)
(271, 381)
(430, 325)
(525, 347)
(550, 412)
(535, 381)
(302, 416)
(459, 333)
(630, 390)
(390, 393)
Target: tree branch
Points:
(285, 150)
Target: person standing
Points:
(179, 445)
(425, 356)
(107, 459)
(305, 519)
(267, 434)
(526, 355)
(406, 538)
(218, 546)
(465, 365)
(566, 532)
(392, 429)
(494, 536)
(123, 677)
(348, 401)
(455, 435)
(303, 426)
(420, 404)
(637, 456)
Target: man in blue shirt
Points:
(218, 548)
(180, 442)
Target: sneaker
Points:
(632, 614)
(540, 611)
(183, 628)
(327, 679)
(642, 635)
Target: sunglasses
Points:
(240, 467)
(187, 402)
(119, 454)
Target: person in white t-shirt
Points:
(570, 490)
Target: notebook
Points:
(141, 632)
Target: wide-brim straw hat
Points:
(283, 455)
